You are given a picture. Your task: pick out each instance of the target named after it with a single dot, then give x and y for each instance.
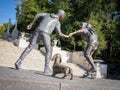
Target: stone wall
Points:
(77, 58)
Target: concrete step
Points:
(11, 79)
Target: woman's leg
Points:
(89, 58)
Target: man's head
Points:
(86, 25)
(61, 14)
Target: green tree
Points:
(29, 9)
(2, 29)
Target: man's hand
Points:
(71, 34)
(29, 26)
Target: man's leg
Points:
(26, 51)
(47, 44)
(23, 55)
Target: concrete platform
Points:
(11, 79)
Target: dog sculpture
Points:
(59, 68)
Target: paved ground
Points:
(11, 79)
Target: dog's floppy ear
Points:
(53, 57)
(60, 59)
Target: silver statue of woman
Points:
(89, 35)
(42, 32)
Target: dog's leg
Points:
(71, 73)
(71, 76)
(64, 76)
(53, 74)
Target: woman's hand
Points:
(29, 26)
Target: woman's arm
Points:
(76, 32)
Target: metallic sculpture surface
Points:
(42, 32)
(89, 35)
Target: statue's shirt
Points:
(89, 35)
(48, 23)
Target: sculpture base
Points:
(11, 79)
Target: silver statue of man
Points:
(42, 32)
(89, 35)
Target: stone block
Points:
(11, 79)
(23, 43)
(65, 86)
(101, 71)
(6, 84)
(79, 59)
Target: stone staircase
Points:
(9, 53)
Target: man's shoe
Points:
(17, 65)
(48, 71)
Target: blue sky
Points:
(7, 10)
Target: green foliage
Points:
(97, 20)
(29, 9)
(2, 29)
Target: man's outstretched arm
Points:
(35, 18)
(58, 28)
